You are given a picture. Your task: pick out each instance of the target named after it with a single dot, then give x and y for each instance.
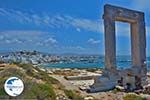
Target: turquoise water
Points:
(122, 63)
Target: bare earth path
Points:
(65, 83)
(98, 96)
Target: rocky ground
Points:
(61, 74)
(52, 84)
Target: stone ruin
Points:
(134, 77)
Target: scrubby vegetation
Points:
(132, 97)
(1, 62)
(2, 92)
(40, 92)
(38, 85)
(94, 69)
(115, 90)
(72, 95)
(30, 70)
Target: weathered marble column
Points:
(110, 44)
(138, 44)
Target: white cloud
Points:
(8, 41)
(63, 21)
(93, 41)
(78, 29)
(1, 37)
(12, 41)
(17, 41)
(26, 37)
(72, 48)
(55, 21)
(37, 19)
(39, 44)
(86, 24)
(46, 19)
(79, 47)
(51, 40)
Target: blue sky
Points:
(63, 26)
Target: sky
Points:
(64, 26)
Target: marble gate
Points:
(138, 70)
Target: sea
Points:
(123, 62)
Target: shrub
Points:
(72, 95)
(32, 90)
(40, 92)
(1, 62)
(116, 90)
(132, 97)
(12, 72)
(45, 77)
(2, 91)
(92, 69)
(25, 66)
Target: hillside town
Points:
(35, 57)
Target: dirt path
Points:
(98, 96)
(65, 83)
